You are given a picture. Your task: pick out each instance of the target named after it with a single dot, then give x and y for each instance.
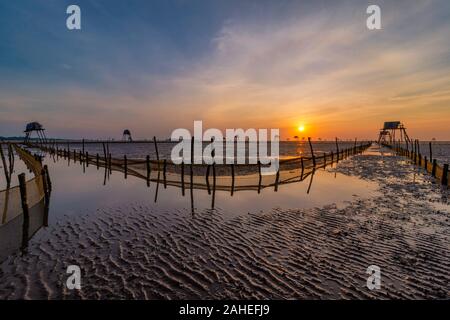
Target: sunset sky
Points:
(153, 66)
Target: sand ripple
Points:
(135, 252)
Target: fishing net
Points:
(10, 199)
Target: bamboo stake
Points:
(337, 150)
(156, 148)
(431, 152)
(444, 179)
(5, 168)
(433, 168)
(312, 152)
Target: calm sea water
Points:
(440, 150)
(141, 150)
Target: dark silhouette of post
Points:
(433, 168)
(431, 152)
(26, 214)
(337, 150)
(156, 149)
(444, 179)
(312, 152)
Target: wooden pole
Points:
(104, 152)
(49, 182)
(156, 149)
(5, 168)
(337, 150)
(431, 152)
(312, 152)
(11, 158)
(444, 179)
(433, 168)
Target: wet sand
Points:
(135, 251)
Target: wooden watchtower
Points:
(388, 133)
(35, 127)
(127, 135)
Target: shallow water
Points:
(77, 190)
(141, 149)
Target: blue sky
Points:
(153, 66)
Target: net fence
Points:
(203, 176)
(10, 198)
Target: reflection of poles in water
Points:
(109, 165)
(192, 175)
(5, 208)
(148, 170)
(26, 214)
(260, 176)
(213, 153)
(125, 165)
(164, 173)
(232, 179)
(310, 181)
(303, 169)
(207, 178)
(192, 196)
(5, 168)
(182, 178)
(157, 187)
(45, 184)
(83, 162)
(208, 167)
(106, 174)
(214, 184)
(277, 178)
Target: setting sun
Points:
(301, 128)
